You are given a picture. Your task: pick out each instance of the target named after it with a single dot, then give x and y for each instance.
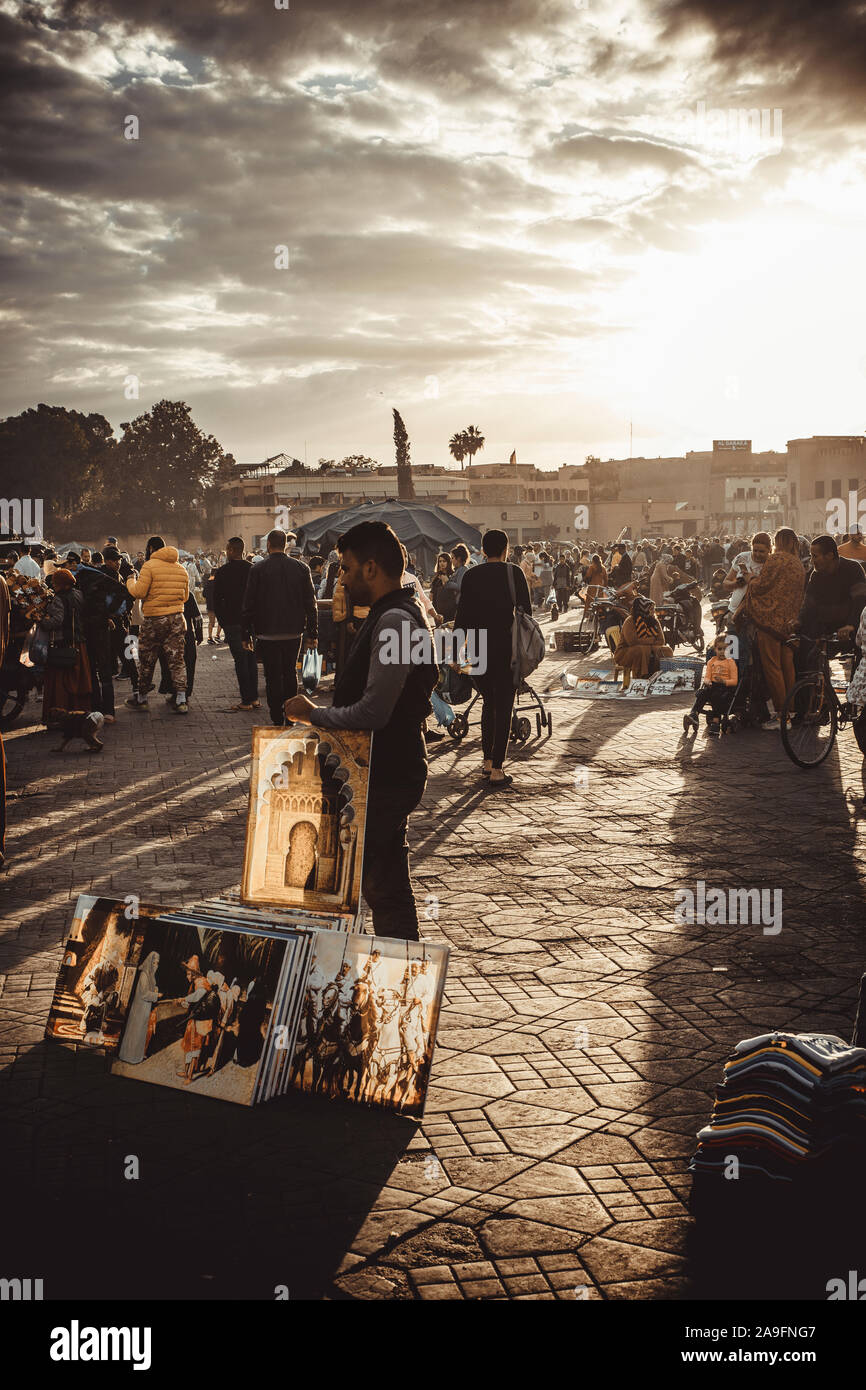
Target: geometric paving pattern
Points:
(583, 1029)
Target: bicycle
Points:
(813, 713)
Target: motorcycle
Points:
(682, 617)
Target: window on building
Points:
(741, 494)
(836, 487)
(793, 494)
(853, 484)
(753, 492)
(819, 490)
(556, 494)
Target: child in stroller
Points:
(720, 681)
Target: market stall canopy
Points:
(424, 530)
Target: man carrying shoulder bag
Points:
(494, 598)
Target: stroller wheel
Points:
(538, 726)
(520, 729)
(459, 727)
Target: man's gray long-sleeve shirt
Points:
(390, 663)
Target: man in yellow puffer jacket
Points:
(163, 587)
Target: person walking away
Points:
(113, 567)
(95, 585)
(192, 640)
(163, 587)
(212, 618)
(486, 605)
(391, 698)
(68, 685)
(772, 604)
(230, 582)
(563, 582)
(278, 611)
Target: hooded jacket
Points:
(162, 585)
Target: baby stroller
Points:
(521, 723)
(745, 705)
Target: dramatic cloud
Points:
(547, 218)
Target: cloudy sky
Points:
(543, 217)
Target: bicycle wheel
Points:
(809, 721)
(585, 637)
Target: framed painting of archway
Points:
(307, 812)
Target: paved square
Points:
(583, 1032)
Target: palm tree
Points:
(473, 440)
(457, 448)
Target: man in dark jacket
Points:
(279, 608)
(384, 686)
(229, 587)
(486, 605)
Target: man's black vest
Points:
(399, 753)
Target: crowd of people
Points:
(80, 622)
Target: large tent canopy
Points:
(424, 530)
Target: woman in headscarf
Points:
(68, 685)
(642, 642)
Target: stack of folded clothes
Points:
(786, 1098)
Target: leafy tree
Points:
(167, 467)
(405, 486)
(325, 465)
(55, 455)
(359, 463)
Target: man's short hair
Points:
(111, 552)
(374, 540)
(235, 541)
(494, 542)
(461, 552)
(762, 538)
(276, 539)
(826, 545)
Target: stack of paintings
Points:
(243, 997)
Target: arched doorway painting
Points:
(308, 795)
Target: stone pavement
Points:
(582, 1034)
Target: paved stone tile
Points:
(583, 1029)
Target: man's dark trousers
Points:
(99, 655)
(279, 659)
(386, 884)
(245, 664)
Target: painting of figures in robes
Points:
(305, 828)
(200, 1010)
(369, 1020)
(97, 971)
